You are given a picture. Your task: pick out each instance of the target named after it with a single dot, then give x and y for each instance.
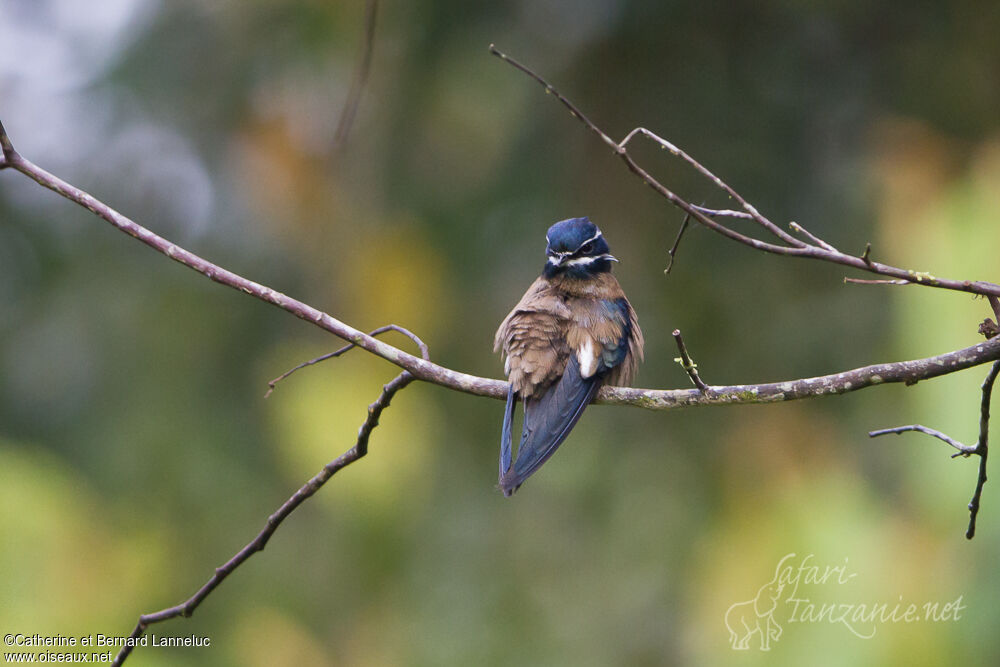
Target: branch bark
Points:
(422, 369)
(980, 449)
(360, 448)
(814, 249)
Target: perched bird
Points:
(572, 332)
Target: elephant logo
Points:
(755, 617)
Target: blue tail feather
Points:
(547, 421)
(505, 437)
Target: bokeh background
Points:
(137, 451)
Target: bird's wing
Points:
(623, 355)
(606, 339)
(548, 419)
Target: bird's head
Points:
(577, 249)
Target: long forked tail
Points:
(548, 419)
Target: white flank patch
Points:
(587, 356)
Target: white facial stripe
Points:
(592, 238)
(586, 260)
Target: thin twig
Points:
(862, 281)
(980, 449)
(358, 82)
(962, 449)
(724, 212)
(747, 206)
(989, 327)
(6, 148)
(360, 448)
(866, 256)
(688, 364)
(677, 241)
(796, 247)
(350, 346)
(815, 240)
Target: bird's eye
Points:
(587, 247)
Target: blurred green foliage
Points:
(137, 452)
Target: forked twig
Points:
(677, 241)
(349, 346)
(356, 452)
(359, 80)
(789, 244)
(963, 450)
(995, 305)
(815, 240)
(688, 364)
(980, 449)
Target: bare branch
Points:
(677, 241)
(862, 281)
(725, 212)
(815, 240)
(421, 369)
(350, 346)
(688, 364)
(752, 212)
(981, 448)
(7, 153)
(795, 247)
(356, 452)
(907, 372)
(866, 256)
(360, 79)
(962, 449)
(425, 370)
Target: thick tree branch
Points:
(422, 369)
(816, 249)
(907, 372)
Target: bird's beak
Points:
(611, 257)
(556, 260)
